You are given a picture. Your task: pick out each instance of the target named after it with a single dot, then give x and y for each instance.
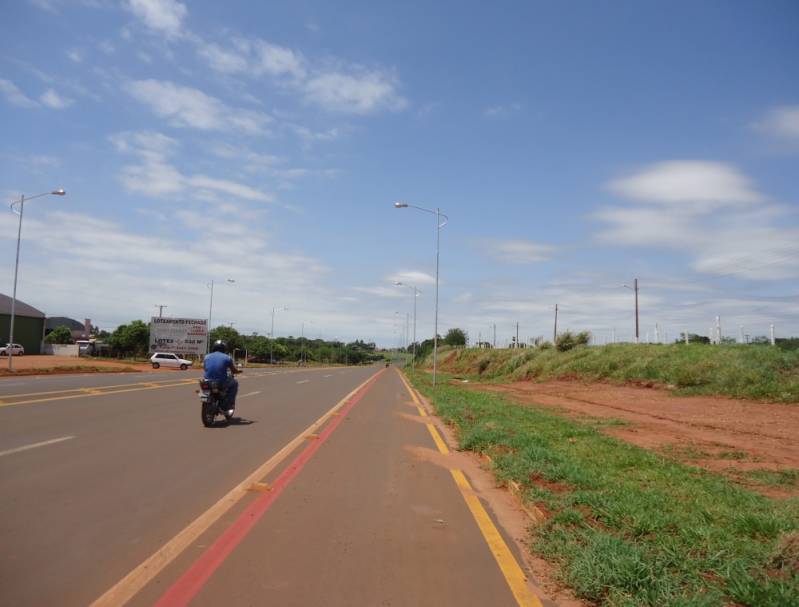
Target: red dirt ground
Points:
(720, 434)
(33, 363)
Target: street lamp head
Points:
(59, 192)
(231, 281)
(400, 205)
(399, 284)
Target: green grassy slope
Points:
(754, 372)
(628, 527)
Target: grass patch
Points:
(775, 478)
(629, 527)
(753, 372)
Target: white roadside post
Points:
(21, 203)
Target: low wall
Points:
(60, 350)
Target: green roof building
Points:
(28, 325)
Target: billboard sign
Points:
(178, 335)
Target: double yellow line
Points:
(499, 549)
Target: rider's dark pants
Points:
(232, 388)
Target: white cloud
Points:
(647, 226)
(156, 176)
(188, 107)
(391, 292)
(502, 111)
(413, 277)
(75, 55)
(709, 212)
(343, 88)
(782, 121)
(517, 251)
(254, 57)
(177, 264)
(276, 60)
(13, 95)
(222, 60)
(694, 184)
(357, 93)
(53, 100)
(310, 136)
(160, 15)
(45, 5)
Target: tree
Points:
(59, 335)
(455, 337)
(230, 336)
(133, 338)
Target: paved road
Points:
(99, 474)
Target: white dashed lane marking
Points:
(35, 445)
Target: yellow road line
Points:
(502, 554)
(508, 565)
(89, 394)
(131, 584)
(442, 446)
(64, 390)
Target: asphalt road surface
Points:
(114, 493)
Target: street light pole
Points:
(210, 313)
(439, 225)
(415, 295)
(272, 337)
(21, 203)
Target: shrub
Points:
(568, 340)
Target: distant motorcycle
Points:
(213, 398)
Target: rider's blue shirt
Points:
(216, 365)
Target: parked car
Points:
(15, 349)
(167, 359)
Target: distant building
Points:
(79, 330)
(28, 325)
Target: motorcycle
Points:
(212, 397)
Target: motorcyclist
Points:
(216, 366)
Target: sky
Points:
(573, 147)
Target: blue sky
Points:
(574, 148)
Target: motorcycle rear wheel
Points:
(208, 414)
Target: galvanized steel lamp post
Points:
(439, 225)
(210, 312)
(13, 206)
(415, 295)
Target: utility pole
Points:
(479, 339)
(637, 325)
(637, 331)
(495, 335)
(555, 332)
(517, 333)
(771, 334)
(718, 330)
(160, 309)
